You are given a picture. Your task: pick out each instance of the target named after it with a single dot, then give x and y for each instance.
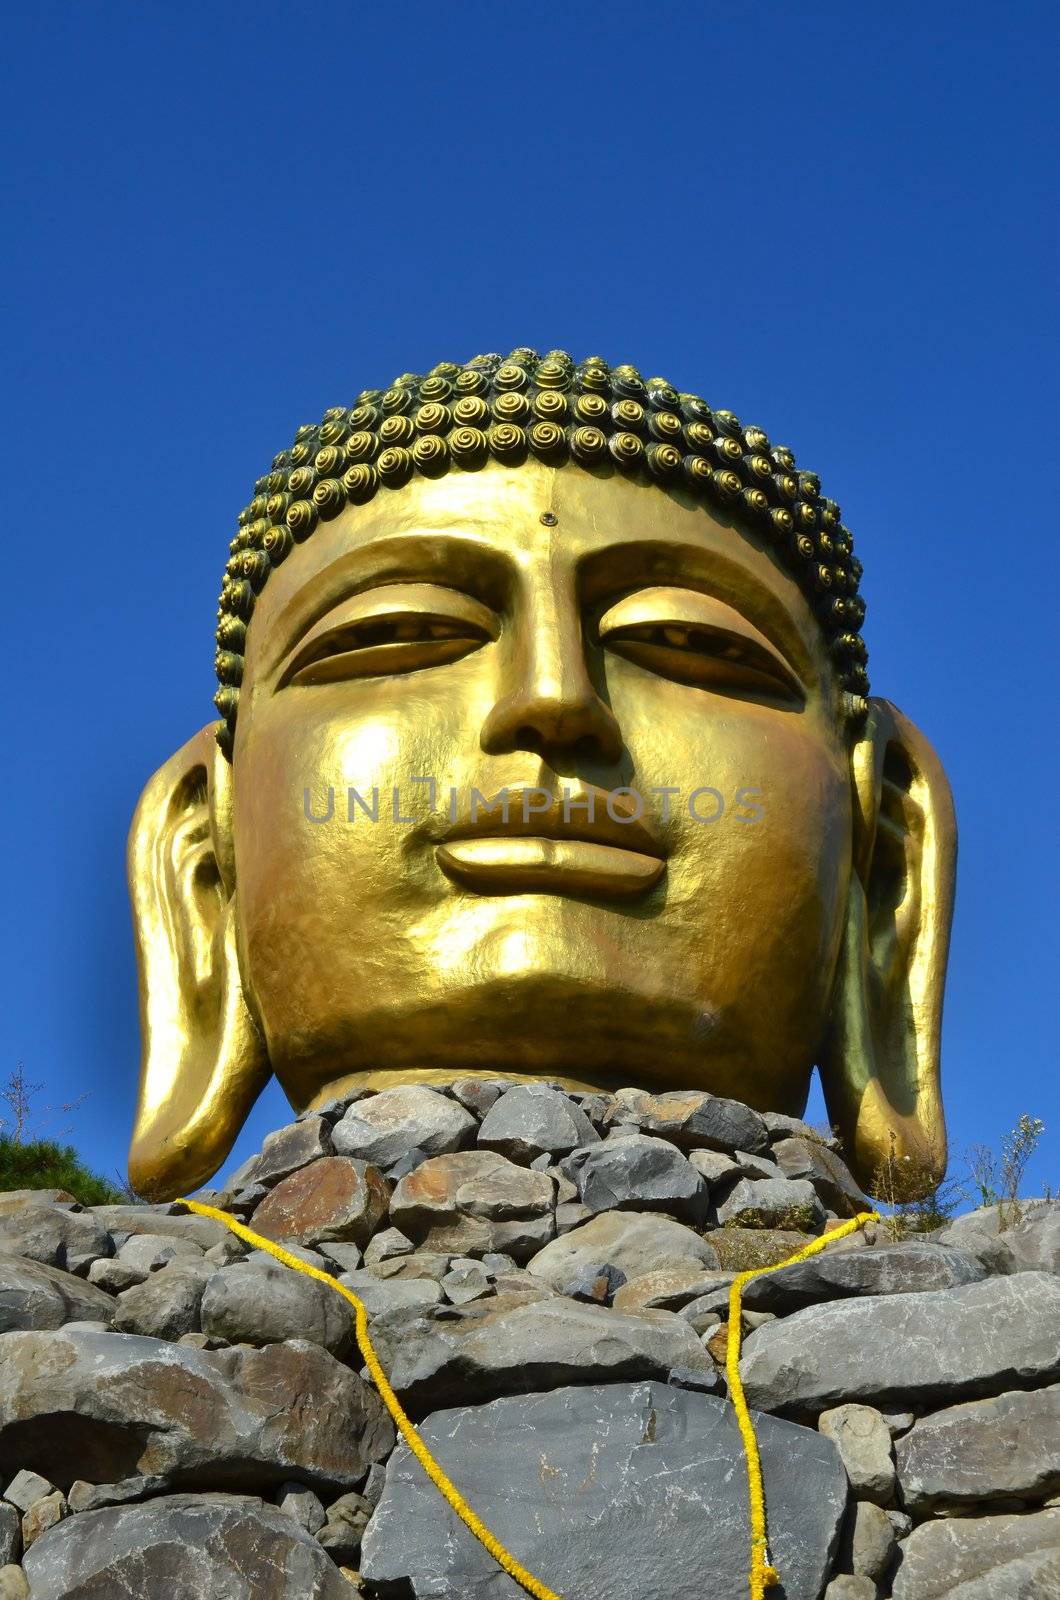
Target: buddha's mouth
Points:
(584, 842)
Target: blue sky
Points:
(837, 221)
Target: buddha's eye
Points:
(386, 638)
(734, 658)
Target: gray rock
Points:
(537, 1345)
(1035, 1241)
(26, 1488)
(149, 1252)
(616, 1490)
(387, 1125)
(474, 1201)
(715, 1166)
(894, 1350)
(529, 1121)
(36, 1296)
(223, 1254)
(848, 1586)
(213, 1547)
(597, 1284)
(290, 1148)
(982, 1558)
(338, 1199)
(312, 1258)
(756, 1166)
(773, 1203)
(110, 1406)
(570, 1215)
(263, 1302)
(634, 1242)
(864, 1442)
(671, 1288)
(983, 1450)
(383, 1246)
(113, 1276)
(869, 1547)
(692, 1119)
(523, 1284)
(10, 1534)
(341, 1533)
(42, 1515)
(17, 1199)
(898, 1422)
(894, 1269)
(55, 1237)
(990, 1250)
(93, 1496)
(464, 1283)
(476, 1094)
(182, 1224)
(296, 1501)
(166, 1305)
(781, 1127)
(420, 1264)
(341, 1258)
(382, 1296)
(638, 1173)
(808, 1158)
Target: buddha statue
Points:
(545, 752)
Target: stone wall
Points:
(546, 1277)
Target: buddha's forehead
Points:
(503, 530)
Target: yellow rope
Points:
(526, 1580)
(763, 1574)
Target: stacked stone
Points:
(546, 1276)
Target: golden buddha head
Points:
(545, 751)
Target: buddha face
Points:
(661, 900)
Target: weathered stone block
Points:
(108, 1406)
(214, 1546)
(982, 1558)
(983, 1450)
(335, 1199)
(618, 1489)
(977, 1339)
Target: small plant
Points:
(42, 1164)
(897, 1177)
(997, 1179)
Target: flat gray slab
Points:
(973, 1340)
(613, 1492)
(982, 1558)
(983, 1450)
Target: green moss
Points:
(740, 1248)
(40, 1164)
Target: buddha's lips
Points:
(556, 850)
(566, 821)
(514, 865)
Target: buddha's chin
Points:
(541, 1025)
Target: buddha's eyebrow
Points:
(423, 555)
(628, 565)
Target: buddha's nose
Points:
(549, 702)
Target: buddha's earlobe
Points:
(880, 1063)
(204, 1062)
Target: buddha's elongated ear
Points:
(204, 1062)
(880, 1064)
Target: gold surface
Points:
(535, 629)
